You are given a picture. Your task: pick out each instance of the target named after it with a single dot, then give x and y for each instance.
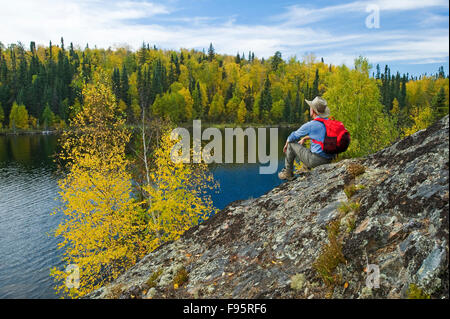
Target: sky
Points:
(409, 35)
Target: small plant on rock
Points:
(415, 292)
(356, 169)
(331, 256)
(297, 282)
(152, 281)
(180, 277)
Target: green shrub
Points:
(415, 292)
(355, 169)
(298, 281)
(152, 281)
(180, 277)
(330, 257)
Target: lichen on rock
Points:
(254, 248)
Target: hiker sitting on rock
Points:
(313, 130)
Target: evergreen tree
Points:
(116, 87)
(266, 99)
(249, 99)
(2, 116)
(276, 60)
(238, 58)
(441, 73)
(438, 104)
(197, 105)
(124, 86)
(142, 54)
(229, 93)
(158, 85)
(211, 53)
(315, 88)
(402, 97)
(288, 108)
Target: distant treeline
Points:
(42, 86)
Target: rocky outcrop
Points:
(324, 234)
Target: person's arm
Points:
(304, 139)
(303, 131)
(298, 134)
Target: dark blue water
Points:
(29, 194)
(241, 181)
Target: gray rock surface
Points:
(256, 248)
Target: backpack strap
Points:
(319, 119)
(317, 142)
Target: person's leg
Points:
(299, 152)
(304, 155)
(316, 160)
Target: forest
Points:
(41, 87)
(119, 206)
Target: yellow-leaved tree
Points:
(421, 118)
(242, 112)
(106, 229)
(102, 232)
(354, 99)
(178, 194)
(18, 117)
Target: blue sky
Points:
(412, 35)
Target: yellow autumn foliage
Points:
(421, 118)
(101, 232)
(106, 229)
(178, 194)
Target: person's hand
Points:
(303, 140)
(285, 147)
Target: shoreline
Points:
(29, 132)
(6, 132)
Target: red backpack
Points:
(337, 138)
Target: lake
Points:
(29, 193)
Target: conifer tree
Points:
(211, 53)
(2, 116)
(238, 58)
(266, 98)
(438, 104)
(315, 88)
(124, 86)
(276, 60)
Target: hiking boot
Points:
(285, 174)
(304, 169)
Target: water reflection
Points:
(28, 194)
(28, 191)
(30, 151)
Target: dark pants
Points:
(304, 155)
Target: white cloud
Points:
(43, 20)
(301, 15)
(107, 23)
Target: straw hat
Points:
(319, 105)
